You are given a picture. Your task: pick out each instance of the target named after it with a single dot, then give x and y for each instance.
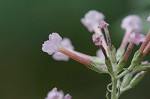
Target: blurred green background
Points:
(28, 73)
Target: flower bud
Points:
(126, 80)
(138, 77)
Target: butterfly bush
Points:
(108, 59)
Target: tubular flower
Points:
(62, 49)
(131, 24)
(55, 94)
(92, 21)
(54, 44)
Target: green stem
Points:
(114, 87)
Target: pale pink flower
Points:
(92, 19)
(53, 44)
(132, 22)
(63, 49)
(66, 43)
(55, 94)
(137, 38)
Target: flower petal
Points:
(92, 19)
(133, 22)
(50, 46)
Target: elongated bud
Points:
(120, 65)
(109, 65)
(98, 65)
(126, 80)
(147, 49)
(112, 55)
(119, 53)
(144, 44)
(141, 68)
(97, 40)
(138, 77)
(127, 53)
(105, 25)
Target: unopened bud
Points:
(138, 77)
(127, 78)
(97, 39)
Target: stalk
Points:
(114, 87)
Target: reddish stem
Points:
(76, 56)
(129, 49)
(144, 44)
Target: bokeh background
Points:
(28, 73)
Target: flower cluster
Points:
(108, 59)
